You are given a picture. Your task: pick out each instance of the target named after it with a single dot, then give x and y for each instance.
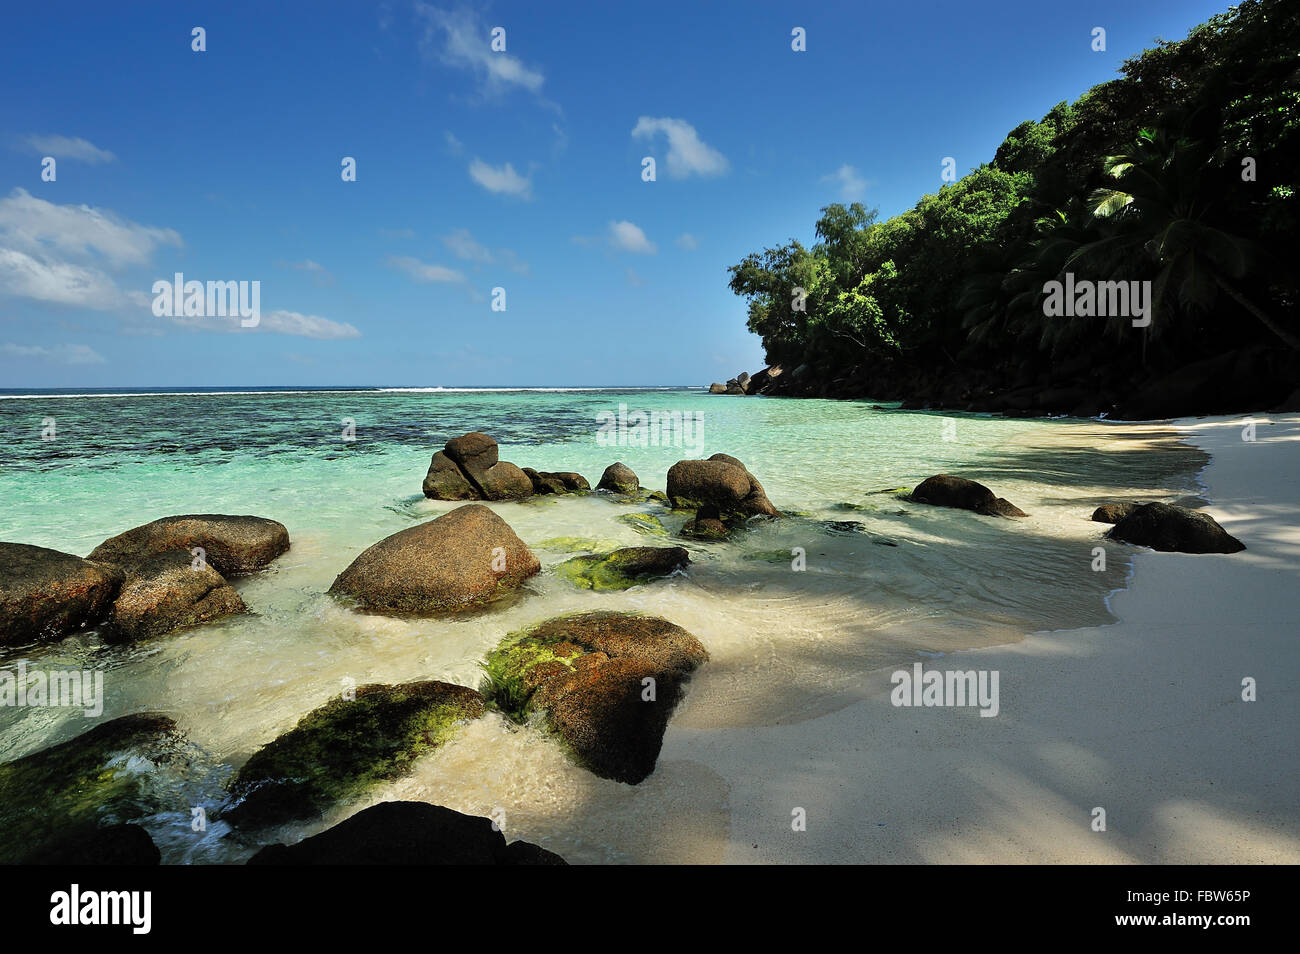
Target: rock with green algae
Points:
(100, 778)
(644, 523)
(605, 683)
(340, 750)
(623, 568)
(575, 545)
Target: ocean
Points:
(887, 582)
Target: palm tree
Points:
(1161, 208)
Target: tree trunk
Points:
(1292, 341)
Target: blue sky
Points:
(477, 170)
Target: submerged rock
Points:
(556, 482)
(167, 592)
(100, 777)
(605, 682)
(46, 594)
(707, 525)
(338, 751)
(619, 478)
(231, 544)
(945, 491)
(468, 468)
(623, 568)
(1114, 512)
(1174, 529)
(408, 833)
(466, 558)
(644, 523)
(721, 481)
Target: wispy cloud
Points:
(62, 253)
(688, 155)
(57, 354)
(425, 272)
(502, 180)
(276, 322)
(319, 273)
(457, 38)
(688, 241)
(464, 246)
(851, 184)
(66, 147)
(628, 237)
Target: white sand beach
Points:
(1143, 718)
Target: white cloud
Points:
(35, 226)
(633, 279)
(851, 184)
(424, 272)
(276, 322)
(464, 246)
(58, 354)
(61, 283)
(67, 147)
(688, 241)
(502, 180)
(688, 155)
(629, 238)
(454, 145)
(458, 39)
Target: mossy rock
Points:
(769, 556)
(623, 568)
(100, 778)
(589, 678)
(340, 750)
(644, 523)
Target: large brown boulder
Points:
(606, 682)
(408, 833)
(1174, 529)
(722, 482)
(482, 476)
(943, 490)
(620, 479)
(46, 594)
(231, 544)
(465, 558)
(170, 591)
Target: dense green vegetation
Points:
(1143, 178)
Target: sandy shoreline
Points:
(1143, 718)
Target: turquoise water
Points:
(885, 579)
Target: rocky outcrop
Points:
(232, 544)
(46, 594)
(743, 383)
(607, 684)
(103, 776)
(707, 525)
(1113, 512)
(557, 482)
(340, 750)
(618, 478)
(408, 833)
(943, 490)
(1174, 529)
(468, 468)
(623, 568)
(463, 559)
(717, 388)
(170, 591)
(722, 482)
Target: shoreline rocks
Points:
(620, 479)
(408, 833)
(1113, 512)
(605, 682)
(623, 568)
(338, 751)
(557, 482)
(721, 481)
(1174, 530)
(48, 594)
(468, 468)
(943, 490)
(232, 545)
(466, 558)
(171, 591)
